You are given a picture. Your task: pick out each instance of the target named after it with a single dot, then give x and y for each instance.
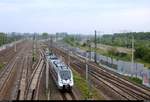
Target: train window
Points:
(65, 74)
(55, 63)
(54, 57)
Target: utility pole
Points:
(86, 66)
(87, 76)
(95, 41)
(89, 47)
(15, 46)
(33, 49)
(6, 38)
(88, 57)
(56, 37)
(36, 43)
(68, 57)
(3, 37)
(132, 60)
(51, 42)
(47, 81)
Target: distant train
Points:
(61, 73)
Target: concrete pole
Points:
(47, 80)
(132, 60)
(87, 75)
(36, 43)
(47, 74)
(49, 43)
(95, 41)
(15, 46)
(68, 58)
(86, 67)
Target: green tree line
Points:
(8, 38)
(141, 42)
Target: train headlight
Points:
(60, 83)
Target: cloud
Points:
(4, 7)
(74, 15)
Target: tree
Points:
(142, 52)
(112, 51)
(45, 35)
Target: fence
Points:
(122, 67)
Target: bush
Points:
(121, 54)
(112, 51)
(137, 80)
(142, 53)
(84, 44)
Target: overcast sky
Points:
(74, 16)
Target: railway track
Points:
(68, 95)
(133, 91)
(35, 78)
(7, 72)
(5, 75)
(137, 92)
(15, 72)
(7, 54)
(23, 80)
(116, 85)
(123, 87)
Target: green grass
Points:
(81, 84)
(1, 65)
(33, 56)
(134, 79)
(105, 53)
(123, 58)
(143, 62)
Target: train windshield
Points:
(65, 74)
(53, 57)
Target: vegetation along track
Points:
(119, 87)
(130, 90)
(136, 92)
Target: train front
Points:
(66, 80)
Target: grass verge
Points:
(82, 85)
(134, 79)
(127, 57)
(33, 56)
(1, 65)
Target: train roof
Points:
(53, 57)
(60, 65)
